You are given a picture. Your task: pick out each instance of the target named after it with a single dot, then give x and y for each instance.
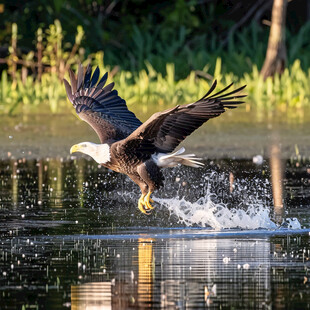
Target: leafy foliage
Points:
(160, 66)
(151, 89)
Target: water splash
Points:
(291, 223)
(204, 212)
(246, 206)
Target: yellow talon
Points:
(144, 203)
(141, 204)
(148, 200)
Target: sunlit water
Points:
(72, 237)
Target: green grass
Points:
(149, 87)
(290, 90)
(157, 69)
(32, 95)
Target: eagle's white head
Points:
(99, 152)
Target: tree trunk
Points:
(275, 60)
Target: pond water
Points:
(232, 235)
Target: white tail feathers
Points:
(172, 160)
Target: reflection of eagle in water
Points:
(132, 147)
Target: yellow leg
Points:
(148, 200)
(144, 203)
(141, 204)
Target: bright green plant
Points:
(148, 88)
(161, 70)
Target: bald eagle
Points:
(129, 146)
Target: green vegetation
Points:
(167, 72)
(149, 87)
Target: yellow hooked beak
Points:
(75, 148)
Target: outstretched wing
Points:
(164, 131)
(100, 106)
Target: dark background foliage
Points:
(132, 31)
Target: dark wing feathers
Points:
(87, 77)
(218, 93)
(166, 130)
(68, 90)
(103, 80)
(108, 115)
(210, 90)
(95, 77)
(73, 81)
(80, 78)
(216, 96)
(100, 106)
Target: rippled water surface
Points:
(231, 235)
(72, 236)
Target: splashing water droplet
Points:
(293, 223)
(204, 212)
